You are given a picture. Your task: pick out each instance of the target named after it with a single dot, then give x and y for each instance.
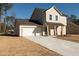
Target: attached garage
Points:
(26, 30)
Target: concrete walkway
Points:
(62, 47)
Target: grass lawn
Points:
(21, 46)
(70, 37)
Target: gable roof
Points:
(57, 10)
(40, 9)
(44, 10)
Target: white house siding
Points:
(27, 30)
(43, 32)
(59, 30)
(64, 30)
(61, 19)
(51, 31)
(52, 12)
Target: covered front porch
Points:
(53, 29)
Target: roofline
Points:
(56, 10)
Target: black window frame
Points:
(56, 17)
(50, 17)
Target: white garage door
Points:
(27, 30)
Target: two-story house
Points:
(44, 23)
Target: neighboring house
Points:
(72, 28)
(43, 23)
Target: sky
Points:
(25, 10)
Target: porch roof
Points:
(54, 24)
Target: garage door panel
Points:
(29, 31)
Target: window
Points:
(56, 17)
(50, 17)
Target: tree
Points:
(10, 24)
(4, 7)
(73, 17)
(3, 11)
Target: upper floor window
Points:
(50, 17)
(56, 17)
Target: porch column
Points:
(41, 31)
(54, 30)
(47, 30)
(61, 30)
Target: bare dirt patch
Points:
(70, 37)
(24, 47)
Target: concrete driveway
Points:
(62, 47)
